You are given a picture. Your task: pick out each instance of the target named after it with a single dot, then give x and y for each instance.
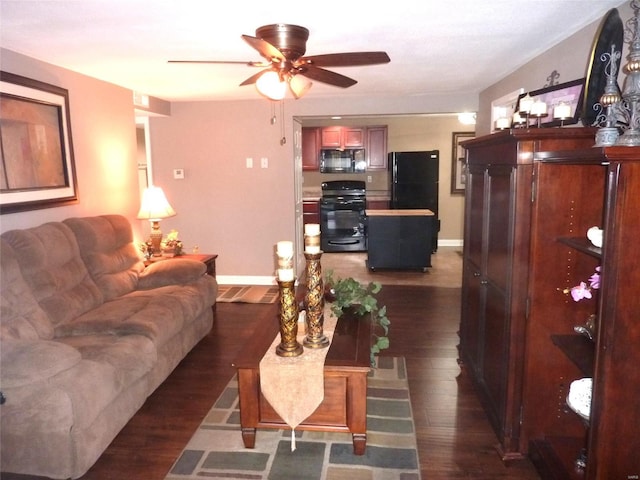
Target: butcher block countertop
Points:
(399, 213)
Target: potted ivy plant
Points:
(349, 293)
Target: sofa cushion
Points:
(51, 266)
(22, 317)
(157, 313)
(167, 272)
(25, 362)
(106, 246)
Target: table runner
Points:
(294, 386)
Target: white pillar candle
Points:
(284, 250)
(312, 238)
(539, 108)
(285, 274)
(525, 104)
(312, 229)
(562, 110)
(502, 123)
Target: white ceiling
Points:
(436, 46)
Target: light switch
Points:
(178, 173)
(249, 162)
(264, 162)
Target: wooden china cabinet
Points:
(585, 188)
(531, 197)
(496, 263)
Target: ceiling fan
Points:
(283, 47)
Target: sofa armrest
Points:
(177, 271)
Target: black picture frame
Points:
(570, 92)
(458, 170)
(37, 168)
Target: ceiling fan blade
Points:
(348, 59)
(326, 76)
(265, 49)
(222, 62)
(254, 78)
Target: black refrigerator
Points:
(414, 178)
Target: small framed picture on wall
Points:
(458, 170)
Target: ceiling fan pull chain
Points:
(283, 140)
(273, 113)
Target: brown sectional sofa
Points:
(87, 333)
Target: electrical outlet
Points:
(178, 173)
(369, 179)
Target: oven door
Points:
(343, 224)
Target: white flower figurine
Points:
(594, 234)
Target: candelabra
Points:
(609, 105)
(314, 301)
(631, 90)
(289, 346)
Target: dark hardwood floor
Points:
(455, 440)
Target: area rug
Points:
(247, 294)
(216, 449)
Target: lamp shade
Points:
(271, 86)
(299, 85)
(154, 205)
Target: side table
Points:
(208, 259)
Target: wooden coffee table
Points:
(344, 408)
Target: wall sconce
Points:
(154, 207)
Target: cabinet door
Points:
(376, 150)
(311, 149)
(353, 137)
(473, 292)
(332, 137)
(499, 212)
(377, 204)
(310, 211)
(495, 347)
(343, 137)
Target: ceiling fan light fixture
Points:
(299, 85)
(271, 85)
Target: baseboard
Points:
(245, 280)
(450, 242)
(270, 280)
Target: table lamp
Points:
(155, 207)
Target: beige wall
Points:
(222, 206)
(240, 213)
(569, 58)
(104, 144)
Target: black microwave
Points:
(350, 160)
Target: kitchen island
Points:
(399, 239)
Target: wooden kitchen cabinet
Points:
(575, 191)
(377, 204)
(376, 149)
(343, 137)
(310, 211)
(496, 268)
(311, 149)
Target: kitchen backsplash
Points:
(379, 179)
